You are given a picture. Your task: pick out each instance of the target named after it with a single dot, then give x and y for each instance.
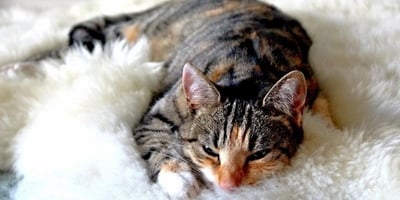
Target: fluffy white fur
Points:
(68, 124)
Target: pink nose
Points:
(228, 185)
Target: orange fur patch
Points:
(219, 71)
(259, 170)
(131, 33)
(234, 133)
(297, 60)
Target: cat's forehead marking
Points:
(234, 133)
(241, 121)
(238, 138)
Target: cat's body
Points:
(233, 115)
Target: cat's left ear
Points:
(288, 95)
(198, 89)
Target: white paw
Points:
(178, 185)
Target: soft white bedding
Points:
(68, 124)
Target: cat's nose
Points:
(228, 185)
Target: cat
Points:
(238, 81)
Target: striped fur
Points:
(234, 113)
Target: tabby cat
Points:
(237, 84)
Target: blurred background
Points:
(36, 4)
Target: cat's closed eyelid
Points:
(258, 155)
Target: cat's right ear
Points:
(199, 90)
(288, 95)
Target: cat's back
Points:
(244, 46)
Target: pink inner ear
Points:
(194, 91)
(289, 95)
(299, 102)
(188, 86)
(198, 90)
(299, 96)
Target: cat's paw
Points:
(178, 185)
(86, 34)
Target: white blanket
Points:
(65, 126)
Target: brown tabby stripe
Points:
(247, 123)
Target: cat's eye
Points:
(258, 155)
(209, 151)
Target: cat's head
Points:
(234, 142)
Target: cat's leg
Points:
(158, 143)
(177, 180)
(166, 165)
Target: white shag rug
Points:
(66, 126)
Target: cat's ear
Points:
(288, 95)
(199, 90)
